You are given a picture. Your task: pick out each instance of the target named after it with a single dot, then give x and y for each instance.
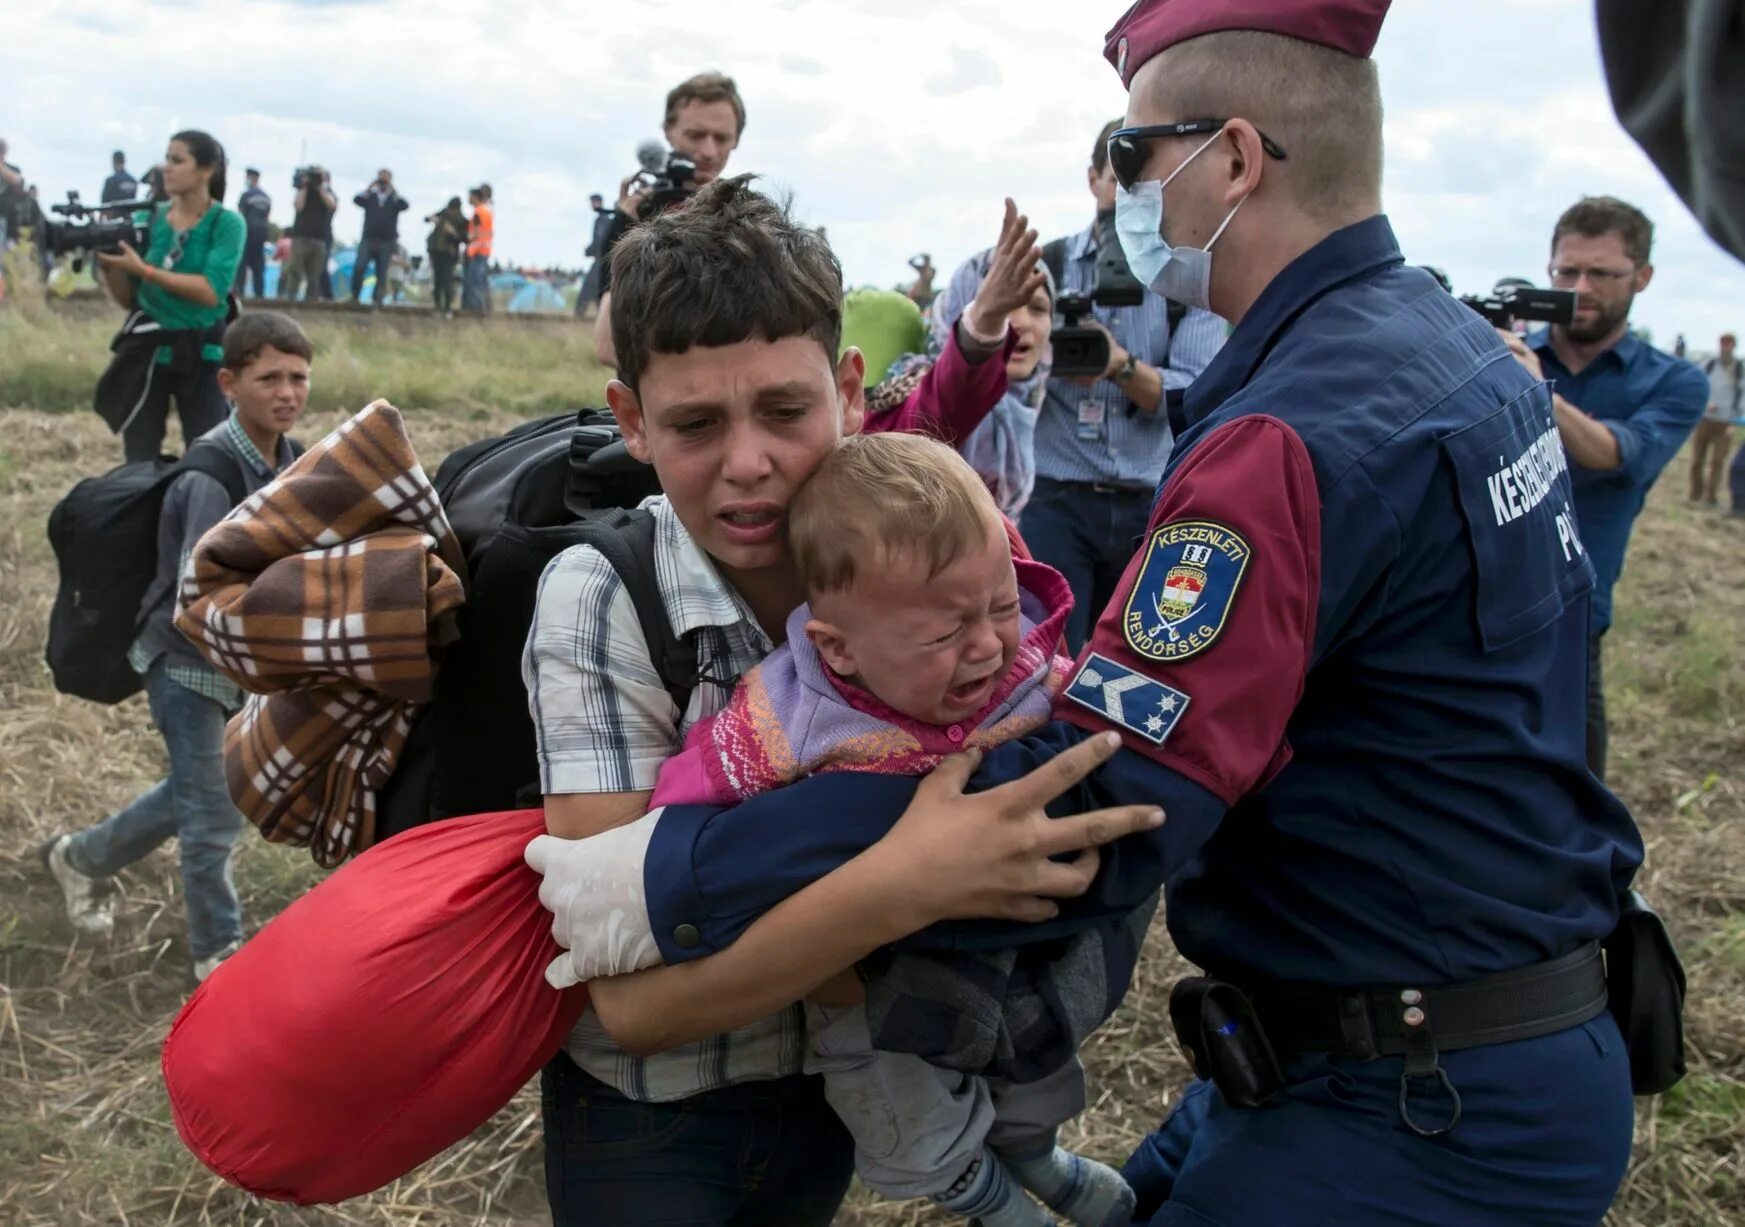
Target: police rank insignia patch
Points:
(1182, 596)
(1144, 707)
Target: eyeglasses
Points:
(1127, 145)
(1569, 274)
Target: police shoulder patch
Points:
(1143, 706)
(1184, 590)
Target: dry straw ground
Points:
(84, 1130)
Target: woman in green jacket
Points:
(182, 286)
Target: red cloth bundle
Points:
(382, 1017)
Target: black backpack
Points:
(516, 502)
(105, 538)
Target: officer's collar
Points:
(1340, 257)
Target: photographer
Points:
(382, 207)
(178, 296)
(1102, 443)
(448, 235)
(705, 117)
(311, 223)
(1622, 407)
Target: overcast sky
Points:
(897, 124)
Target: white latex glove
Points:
(593, 890)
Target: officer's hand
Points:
(955, 855)
(1523, 353)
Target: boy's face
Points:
(935, 647)
(733, 431)
(271, 392)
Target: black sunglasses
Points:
(1127, 145)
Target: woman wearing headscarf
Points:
(1001, 448)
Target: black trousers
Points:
(442, 276)
(756, 1154)
(1596, 709)
(199, 404)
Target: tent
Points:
(537, 296)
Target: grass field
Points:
(84, 1129)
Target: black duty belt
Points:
(1239, 1038)
(1514, 1005)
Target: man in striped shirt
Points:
(1102, 443)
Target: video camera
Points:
(315, 176)
(1508, 303)
(94, 228)
(667, 175)
(1078, 348)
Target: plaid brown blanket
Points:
(324, 594)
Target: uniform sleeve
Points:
(1201, 656)
(602, 718)
(228, 235)
(1649, 438)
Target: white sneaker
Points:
(88, 905)
(205, 967)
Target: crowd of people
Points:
(1343, 708)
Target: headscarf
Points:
(1002, 449)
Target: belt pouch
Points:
(1645, 992)
(1218, 1028)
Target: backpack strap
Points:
(627, 542)
(1173, 312)
(219, 463)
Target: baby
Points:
(921, 637)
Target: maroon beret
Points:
(1150, 26)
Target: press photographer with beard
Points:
(178, 297)
(705, 117)
(1622, 407)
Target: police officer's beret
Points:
(1150, 26)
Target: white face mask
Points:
(1183, 274)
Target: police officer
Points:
(1349, 662)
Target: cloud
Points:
(969, 70)
(898, 124)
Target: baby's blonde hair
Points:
(881, 496)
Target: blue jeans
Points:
(379, 252)
(475, 293)
(755, 1154)
(1736, 479)
(192, 803)
(1089, 537)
